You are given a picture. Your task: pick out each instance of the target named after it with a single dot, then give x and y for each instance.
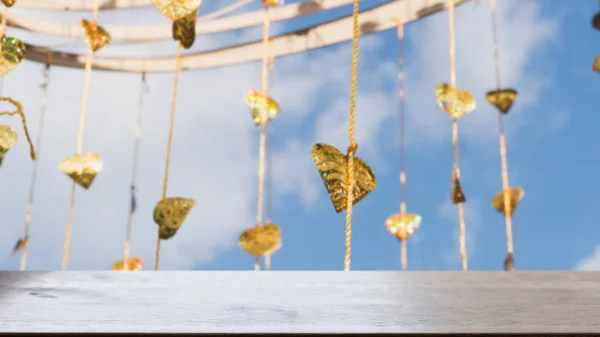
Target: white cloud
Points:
(591, 262)
(449, 213)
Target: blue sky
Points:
(545, 54)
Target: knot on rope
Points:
(352, 150)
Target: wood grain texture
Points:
(300, 302)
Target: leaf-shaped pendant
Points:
(176, 9)
(260, 241)
(403, 226)
(83, 169)
(271, 3)
(333, 168)
(19, 245)
(8, 138)
(596, 65)
(596, 21)
(456, 194)
(515, 194)
(509, 262)
(170, 213)
(133, 264)
(9, 3)
(502, 99)
(13, 52)
(184, 30)
(455, 102)
(96, 37)
(262, 108)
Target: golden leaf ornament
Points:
(13, 52)
(8, 138)
(9, 3)
(402, 226)
(262, 108)
(596, 65)
(184, 30)
(260, 241)
(176, 9)
(19, 245)
(133, 264)
(272, 3)
(596, 21)
(333, 168)
(455, 102)
(83, 168)
(169, 215)
(457, 196)
(96, 37)
(514, 194)
(502, 99)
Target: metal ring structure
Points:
(373, 20)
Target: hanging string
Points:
(503, 156)
(38, 145)
(353, 146)
(461, 216)
(403, 257)
(136, 149)
(86, 91)
(169, 143)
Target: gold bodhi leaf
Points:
(333, 167)
(596, 21)
(9, 3)
(169, 215)
(402, 226)
(95, 36)
(271, 3)
(133, 264)
(515, 194)
(457, 196)
(596, 65)
(455, 102)
(19, 245)
(8, 138)
(262, 108)
(184, 29)
(176, 9)
(261, 241)
(13, 52)
(83, 168)
(502, 99)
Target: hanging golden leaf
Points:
(502, 99)
(20, 245)
(95, 36)
(8, 138)
(133, 264)
(271, 3)
(456, 195)
(260, 241)
(515, 194)
(184, 30)
(455, 102)
(170, 213)
(402, 226)
(262, 108)
(83, 169)
(13, 52)
(596, 21)
(509, 262)
(332, 166)
(176, 9)
(9, 3)
(596, 65)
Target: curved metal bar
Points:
(373, 20)
(79, 5)
(163, 31)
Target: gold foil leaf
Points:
(403, 226)
(176, 9)
(456, 194)
(170, 213)
(184, 29)
(596, 21)
(455, 102)
(13, 52)
(95, 36)
(272, 3)
(9, 3)
(8, 138)
(332, 166)
(260, 241)
(502, 99)
(262, 108)
(515, 194)
(596, 65)
(20, 245)
(133, 264)
(83, 169)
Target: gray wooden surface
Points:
(311, 302)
